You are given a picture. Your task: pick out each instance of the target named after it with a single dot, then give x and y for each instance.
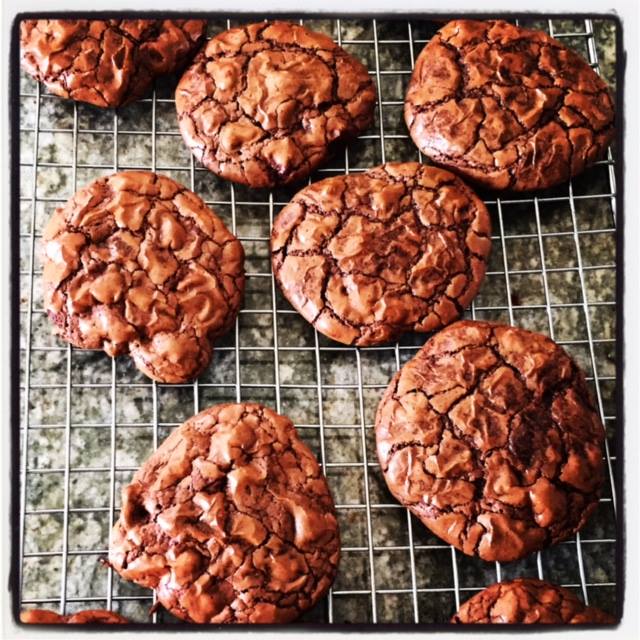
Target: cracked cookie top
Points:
(88, 616)
(262, 103)
(136, 263)
(106, 63)
(528, 601)
(488, 435)
(230, 520)
(367, 256)
(507, 107)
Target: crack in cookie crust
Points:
(262, 103)
(507, 107)
(365, 257)
(489, 436)
(231, 520)
(107, 63)
(528, 601)
(136, 263)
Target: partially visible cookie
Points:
(368, 256)
(489, 436)
(89, 616)
(528, 601)
(230, 520)
(263, 103)
(136, 263)
(507, 107)
(106, 63)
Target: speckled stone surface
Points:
(113, 417)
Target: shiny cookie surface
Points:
(136, 263)
(88, 616)
(528, 601)
(263, 103)
(489, 436)
(230, 520)
(507, 107)
(367, 256)
(106, 63)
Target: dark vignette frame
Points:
(14, 147)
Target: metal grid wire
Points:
(392, 569)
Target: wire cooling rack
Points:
(87, 421)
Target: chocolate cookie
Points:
(489, 436)
(89, 616)
(367, 256)
(262, 103)
(230, 520)
(507, 107)
(136, 263)
(528, 601)
(106, 63)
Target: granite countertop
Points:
(116, 416)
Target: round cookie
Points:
(136, 263)
(488, 435)
(528, 601)
(230, 520)
(107, 63)
(262, 104)
(507, 107)
(89, 616)
(367, 256)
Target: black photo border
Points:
(15, 417)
